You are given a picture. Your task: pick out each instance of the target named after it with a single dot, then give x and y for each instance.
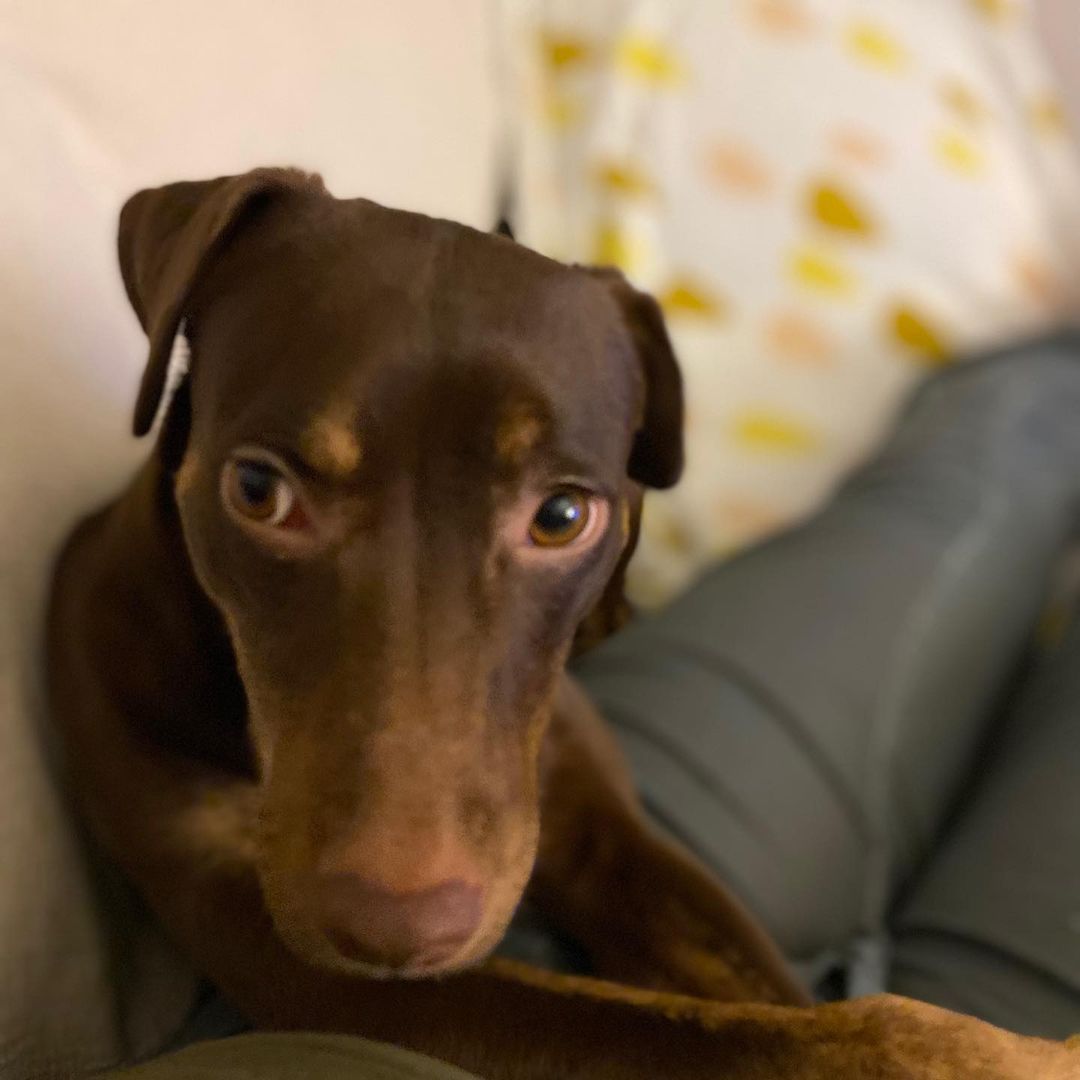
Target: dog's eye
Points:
(258, 492)
(561, 519)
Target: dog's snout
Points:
(370, 923)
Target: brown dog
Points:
(310, 664)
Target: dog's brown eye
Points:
(257, 491)
(561, 519)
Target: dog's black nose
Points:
(368, 922)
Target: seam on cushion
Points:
(789, 723)
(885, 721)
(660, 815)
(688, 763)
(716, 862)
(964, 939)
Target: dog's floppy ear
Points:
(656, 456)
(167, 236)
(656, 459)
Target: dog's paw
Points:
(914, 1040)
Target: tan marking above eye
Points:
(186, 474)
(330, 441)
(517, 433)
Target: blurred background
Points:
(831, 199)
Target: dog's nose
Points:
(368, 922)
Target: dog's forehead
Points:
(324, 301)
(400, 279)
(325, 291)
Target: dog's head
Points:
(407, 460)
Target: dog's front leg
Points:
(646, 912)
(186, 836)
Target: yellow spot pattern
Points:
(613, 245)
(993, 9)
(821, 272)
(624, 178)
(778, 233)
(963, 102)
(877, 47)
(561, 51)
(688, 297)
(775, 433)
(837, 209)
(1049, 117)
(648, 60)
(958, 153)
(562, 112)
(915, 333)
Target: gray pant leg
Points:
(801, 717)
(992, 926)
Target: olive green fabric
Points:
(291, 1057)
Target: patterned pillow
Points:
(830, 197)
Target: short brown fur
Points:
(394, 700)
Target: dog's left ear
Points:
(656, 459)
(656, 456)
(166, 238)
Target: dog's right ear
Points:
(167, 237)
(656, 459)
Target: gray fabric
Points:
(993, 924)
(805, 717)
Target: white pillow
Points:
(831, 197)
